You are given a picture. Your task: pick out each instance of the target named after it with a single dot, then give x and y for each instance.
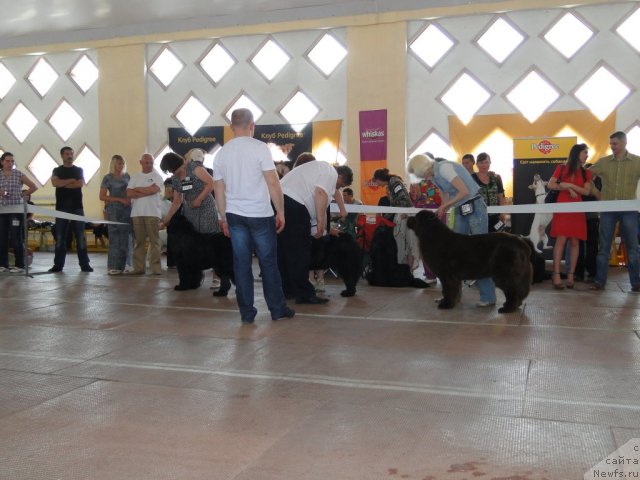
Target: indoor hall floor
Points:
(122, 378)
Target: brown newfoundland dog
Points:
(454, 257)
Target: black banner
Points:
(291, 143)
(206, 138)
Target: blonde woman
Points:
(113, 192)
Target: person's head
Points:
(168, 189)
(171, 162)
(345, 176)
(483, 162)
(242, 122)
(618, 143)
(146, 162)
(117, 164)
(421, 166)
(468, 161)
(577, 156)
(384, 202)
(347, 195)
(66, 153)
(195, 155)
(381, 176)
(282, 168)
(7, 161)
(303, 158)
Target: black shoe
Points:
(55, 269)
(289, 313)
(247, 322)
(86, 268)
(315, 300)
(635, 288)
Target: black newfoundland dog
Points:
(454, 257)
(341, 254)
(194, 252)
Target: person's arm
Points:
(461, 192)
(221, 204)
(321, 202)
(32, 186)
(337, 196)
(277, 198)
(175, 205)
(67, 182)
(203, 175)
(139, 192)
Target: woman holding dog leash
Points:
(461, 192)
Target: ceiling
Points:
(27, 23)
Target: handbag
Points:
(552, 195)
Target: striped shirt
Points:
(11, 187)
(619, 177)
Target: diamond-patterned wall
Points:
(328, 93)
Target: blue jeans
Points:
(629, 234)
(259, 234)
(474, 224)
(118, 235)
(61, 229)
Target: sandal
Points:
(557, 286)
(570, 280)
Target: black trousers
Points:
(294, 251)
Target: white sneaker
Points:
(16, 270)
(485, 304)
(3, 269)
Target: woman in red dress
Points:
(572, 181)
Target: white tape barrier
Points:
(46, 212)
(569, 207)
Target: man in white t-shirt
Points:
(245, 184)
(306, 190)
(146, 209)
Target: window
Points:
(88, 161)
(42, 165)
(568, 35)
(299, 110)
(533, 95)
(500, 40)
(216, 62)
(244, 101)
(192, 114)
(270, 59)
(42, 77)
(465, 97)
(65, 120)
(602, 92)
(84, 73)
(327, 54)
(165, 67)
(21, 122)
(431, 45)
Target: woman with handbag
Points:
(571, 181)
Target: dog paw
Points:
(444, 305)
(347, 293)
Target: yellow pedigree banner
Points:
(542, 147)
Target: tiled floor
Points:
(124, 378)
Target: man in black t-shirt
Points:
(69, 180)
